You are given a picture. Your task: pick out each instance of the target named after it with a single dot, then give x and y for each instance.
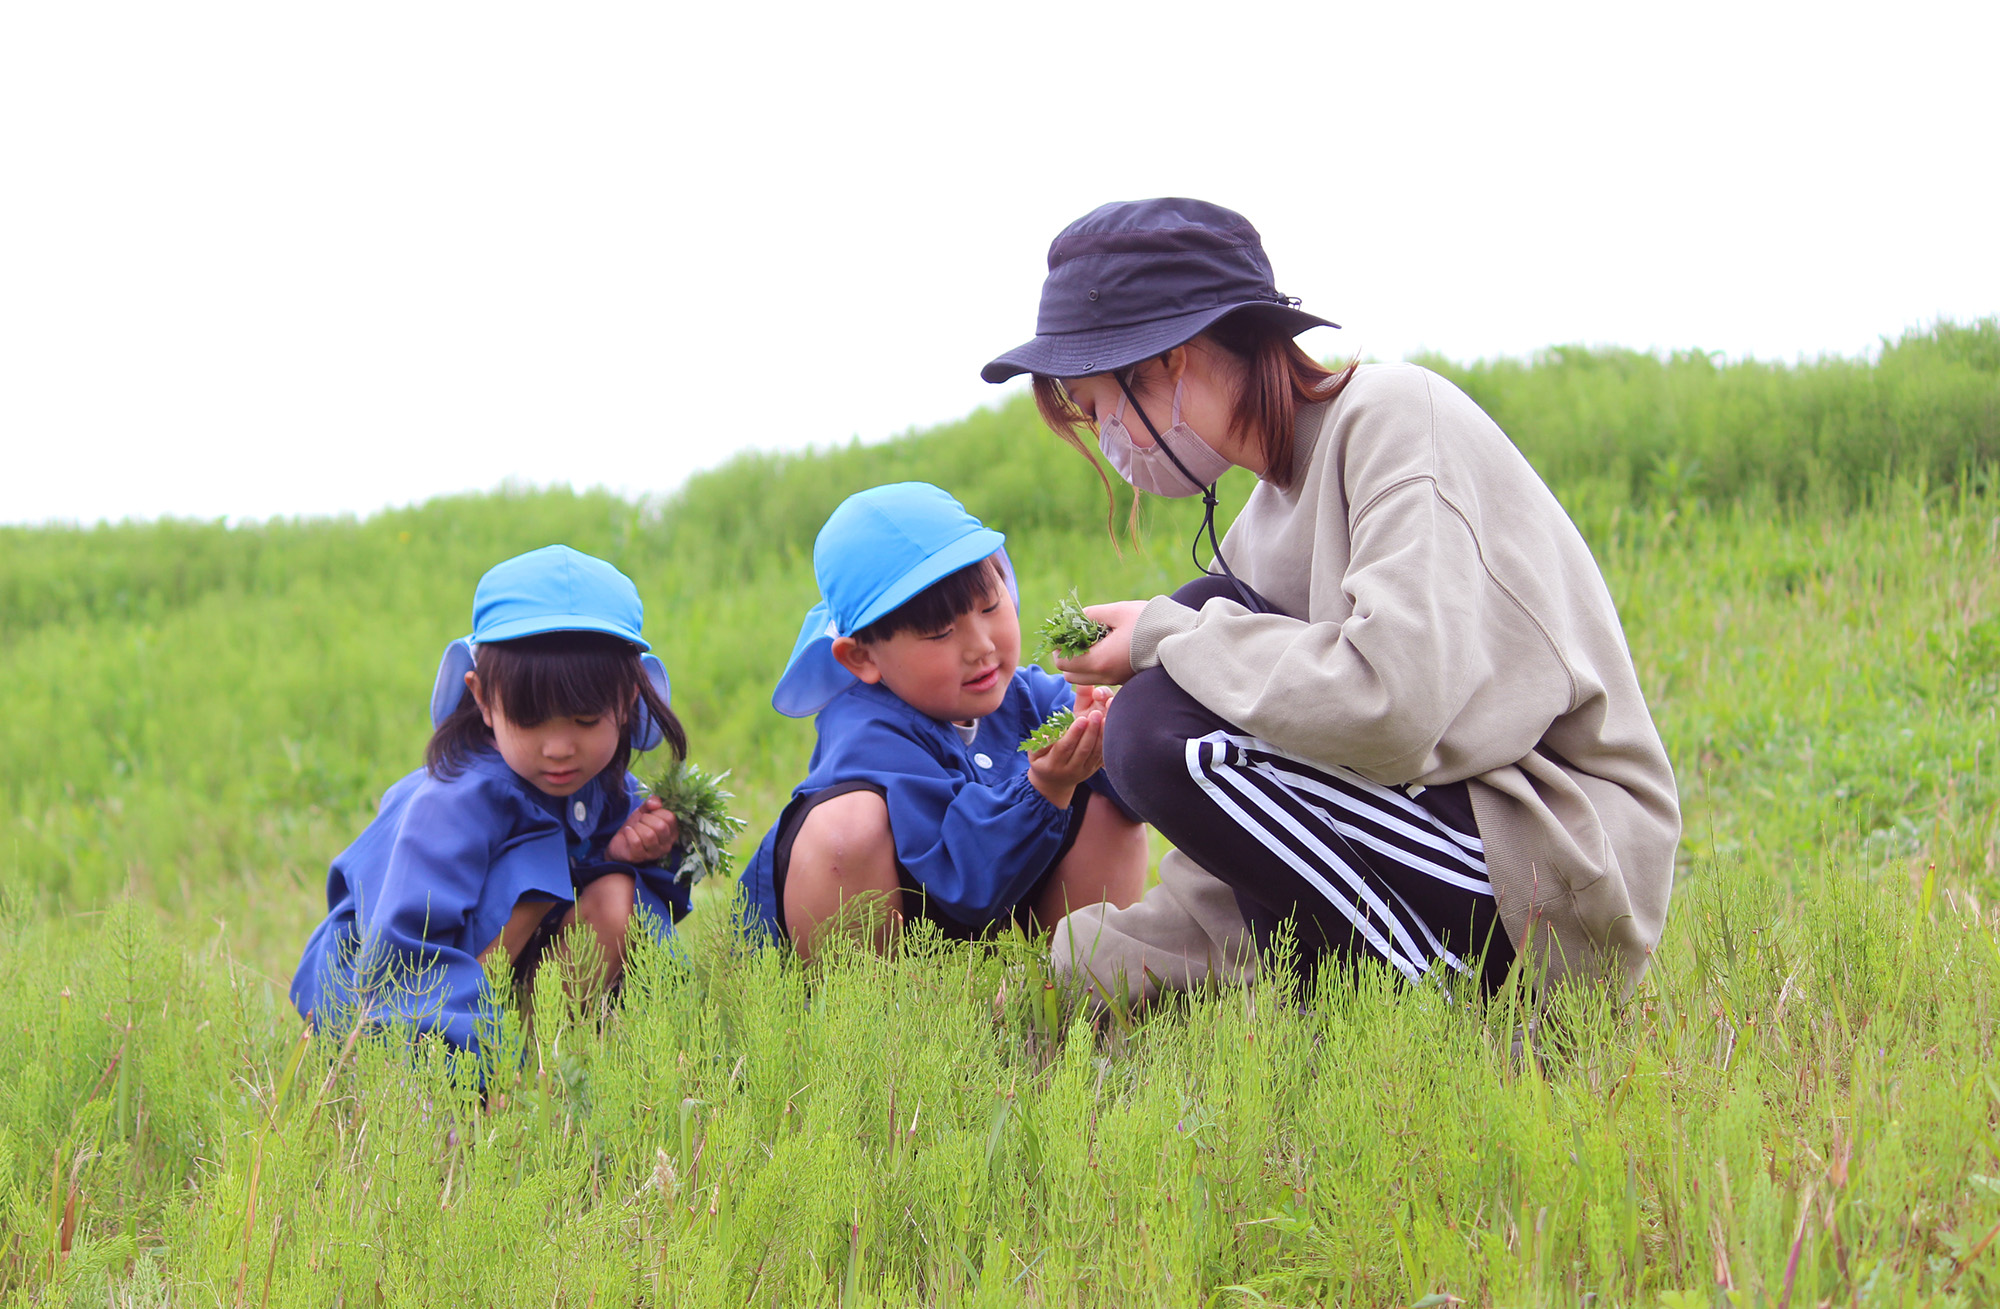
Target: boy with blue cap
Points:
(523, 819)
(918, 798)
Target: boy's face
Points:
(956, 674)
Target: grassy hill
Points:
(195, 718)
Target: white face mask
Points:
(1152, 468)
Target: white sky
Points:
(273, 258)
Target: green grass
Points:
(1798, 1107)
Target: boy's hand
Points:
(648, 835)
(1109, 662)
(1058, 770)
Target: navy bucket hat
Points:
(1134, 278)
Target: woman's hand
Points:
(648, 835)
(1109, 662)
(1057, 770)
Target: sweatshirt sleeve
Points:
(1427, 633)
(974, 848)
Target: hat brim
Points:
(1081, 354)
(543, 623)
(932, 568)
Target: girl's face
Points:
(557, 756)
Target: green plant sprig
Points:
(1049, 732)
(700, 805)
(1069, 631)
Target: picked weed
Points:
(1049, 732)
(1068, 630)
(700, 805)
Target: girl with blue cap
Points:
(918, 800)
(523, 819)
(1398, 710)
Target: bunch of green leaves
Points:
(1049, 732)
(1069, 631)
(700, 805)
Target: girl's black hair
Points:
(933, 608)
(554, 675)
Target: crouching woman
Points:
(1399, 711)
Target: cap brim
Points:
(1080, 354)
(934, 567)
(541, 623)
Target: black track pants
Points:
(1361, 868)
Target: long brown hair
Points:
(1278, 379)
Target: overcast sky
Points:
(266, 258)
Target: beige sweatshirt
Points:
(1441, 619)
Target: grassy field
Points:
(1799, 1107)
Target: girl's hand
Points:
(1109, 662)
(648, 835)
(1058, 770)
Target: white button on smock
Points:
(579, 810)
(983, 760)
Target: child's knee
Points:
(607, 903)
(846, 837)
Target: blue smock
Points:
(969, 828)
(431, 882)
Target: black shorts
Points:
(915, 904)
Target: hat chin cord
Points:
(1248, 596)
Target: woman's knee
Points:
(1201, 590)
(1145, 741)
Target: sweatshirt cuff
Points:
(1162, 617)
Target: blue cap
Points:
(878, 550)
(553, 589)
(556, 589)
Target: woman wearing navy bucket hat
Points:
(1398, 708)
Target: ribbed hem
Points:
(1162, 617)
(1536, 906)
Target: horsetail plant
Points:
(1049, 732)
(700, 805)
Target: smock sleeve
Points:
(974, 848)
(417, 964)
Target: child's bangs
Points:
(558, 675)
(933, 608)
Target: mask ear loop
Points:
(1248, 596)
